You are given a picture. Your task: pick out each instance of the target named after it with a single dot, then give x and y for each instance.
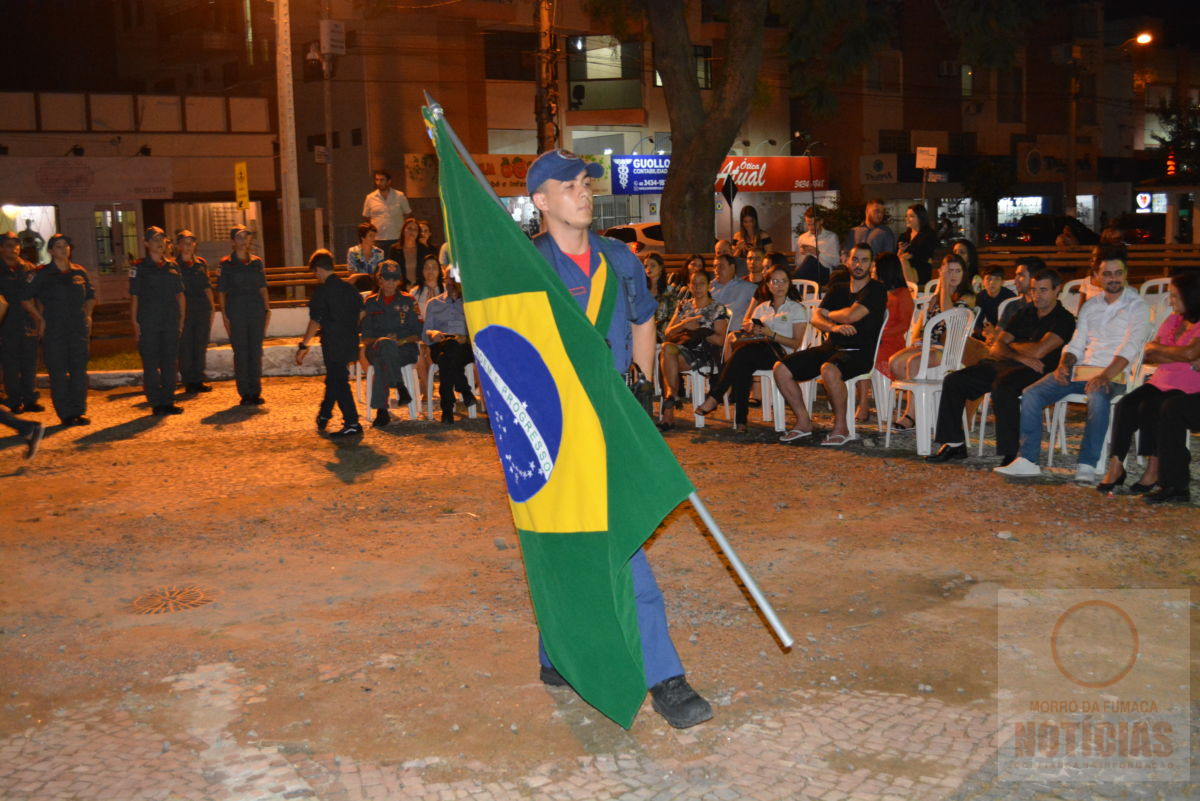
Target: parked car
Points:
(1149, 228)
(649, 234)
(1040, 229)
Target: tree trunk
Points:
(701, 133)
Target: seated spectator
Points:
(364, 258)
(666, 295)
(449, 344)
(851, 314)
(681, 280)
(1179, 415)
(749, 235)
(1027, 267)
(724, 248)
(817, 252)
(1102, 252)
(953, 290)
(772, 329)
(988, 301)
(736, 293)
(888, 271)
(1109, 332)
(409, 253)
(1066, 239)
(965, 249)
(425, 235)
(391, 328)
(429, 285)
(693, 339)
(755, 264)
(1018, 355)
(1173, 350)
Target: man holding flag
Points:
(605, 279)
(587, 475)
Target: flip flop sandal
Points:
(837, 440)
(795, 435)
(897, 426)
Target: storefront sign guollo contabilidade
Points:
(647, 175)
(505, 173)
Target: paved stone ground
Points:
(170, 735)
(851, 746)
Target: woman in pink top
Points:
(1175, 351)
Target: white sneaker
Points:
(1019, 467)
(1086, 474)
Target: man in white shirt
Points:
(1111, 331)
(386, 208)
(816, 249)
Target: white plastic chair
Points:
(809, 290)
(931, 286)
(409, 373)
(926, 385)
(433, 369)
(1071, 295)
(1155, 293)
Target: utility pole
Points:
(327, 54)
(288, 179)
(545, 103)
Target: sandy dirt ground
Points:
(371, 600)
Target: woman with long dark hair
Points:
(749, 234)
(409, 253)
(953, 290)
(916, 244)
(694, 338)
(662, 290)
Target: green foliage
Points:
(990, 32)
(828, 41)
(1182, 127)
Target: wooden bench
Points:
(1144, 261)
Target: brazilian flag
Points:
(589, 477)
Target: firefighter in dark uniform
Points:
(18, 331)
(64, 292)
(30, 430)
(156, 295)
(198, 315)
(391, 329)
(246, 309)
(334, 309)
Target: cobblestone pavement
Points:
(856, 746)
(254, 697)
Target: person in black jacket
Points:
(157, 308)
(198, 317)
(334, 309)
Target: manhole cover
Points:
(171, 599)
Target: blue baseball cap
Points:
(559, 165)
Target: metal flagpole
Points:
(436, 110)
(763, 604)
